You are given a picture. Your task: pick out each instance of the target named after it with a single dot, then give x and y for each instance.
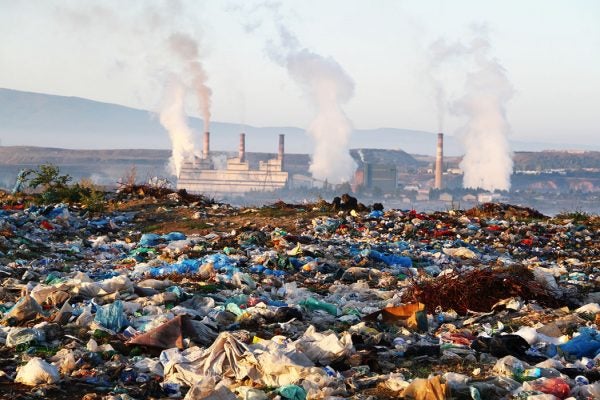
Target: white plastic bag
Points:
(37, 372)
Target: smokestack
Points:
(206, 148)
(439, 160)
(242, 148)
(281, 150)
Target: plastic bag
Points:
(36, 372)
(554, 386)
(587, 344)
(206, 390)
(111, 316)
(426, 389)
(64, 360)
(325, 347)
(292, 392)
(172, 236)
(149, 239)
(24, 310)
(18, 336)
(389, 259)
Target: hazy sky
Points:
(115, 52)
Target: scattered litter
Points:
(169, 295)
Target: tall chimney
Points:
(206, 148)
(281, 150)
(242, 148)
(439, 160)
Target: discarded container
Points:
(313, 304)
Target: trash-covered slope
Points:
(168, 295)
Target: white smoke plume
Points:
(487, 163)
(328, 87)
(186, 48)
(439, 53)
(172, 117)
(177, 66)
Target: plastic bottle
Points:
(529, 374)
(313, 304)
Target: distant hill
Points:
(34, 119)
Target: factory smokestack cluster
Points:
(237, 176)
(439, 161)
(281, 150)
(242, 148)
(206, 145)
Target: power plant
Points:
(212, 175)
(200, 176)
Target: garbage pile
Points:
(298, 301)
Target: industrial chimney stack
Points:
(439, 161)
(242, 148)
(281, 150)
(206, 148)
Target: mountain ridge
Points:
(38, 119)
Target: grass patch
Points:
(275, 212)
(199, 225)
(150, 228)
(577, 216)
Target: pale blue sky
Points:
(550, 50)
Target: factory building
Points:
(199, 175)
(381, 176)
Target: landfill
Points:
(167, 295)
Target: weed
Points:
(578, 216)
(150, 228)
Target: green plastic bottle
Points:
(314, 304)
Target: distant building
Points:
(469, 197)
(488, 197)
(301, 181)
(422, 195)
(377, 176)
(445, 197)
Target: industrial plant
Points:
(374, 171)
(201, 176)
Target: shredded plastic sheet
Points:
(24, 310)
(324, 348)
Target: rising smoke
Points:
(328, 87)
(186, 48)
(172, 117)
(181, 72)
(487, 162)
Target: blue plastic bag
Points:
(172, 236)
(58, 211)
(375, 214)
(389, 259)
(587, 344)
(257, 269)
(111, 316)
(186, 266)
(149, 239)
